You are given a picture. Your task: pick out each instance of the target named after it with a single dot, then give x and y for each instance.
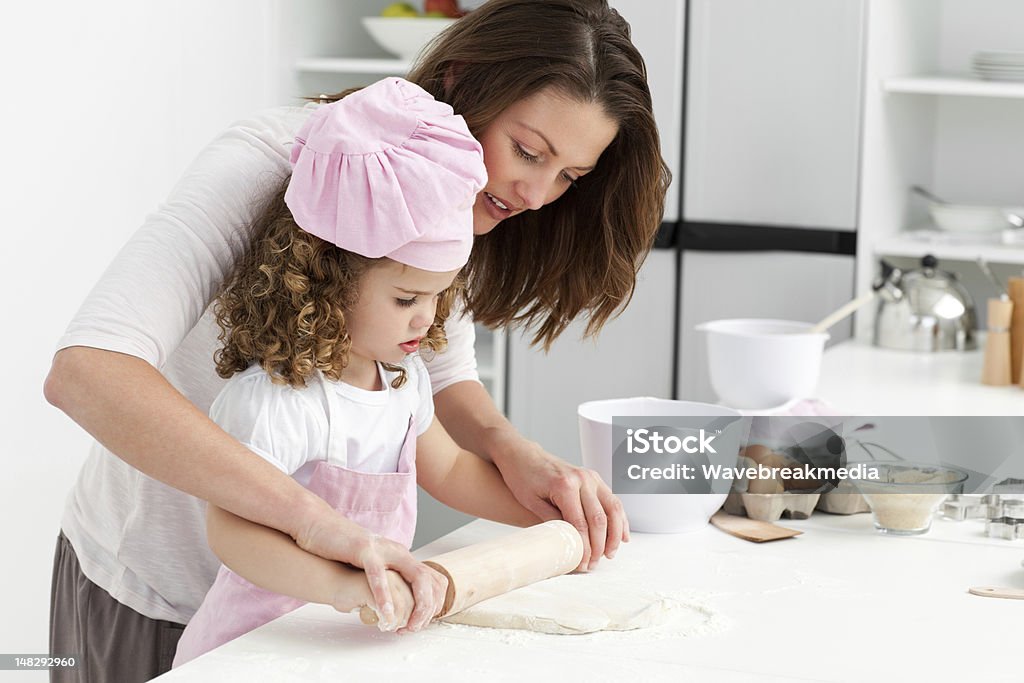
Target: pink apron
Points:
(384, 503)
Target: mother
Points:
(557, 95)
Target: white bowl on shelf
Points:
(971, 217)
(405, 36)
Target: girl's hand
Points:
(337, 538)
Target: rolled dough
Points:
(574, 604)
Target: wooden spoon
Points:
(993, 592)
(751, 529)
(841, 312)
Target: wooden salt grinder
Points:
(1015, 287)
(995, 369)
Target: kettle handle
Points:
(888, 284)
(887, 269)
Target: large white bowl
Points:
(647, 512)
(405, 36)
(757, 364)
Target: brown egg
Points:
(769, 481)
(791, 482)
(757, 452)
(770, 484)
(777, 460)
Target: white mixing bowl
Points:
(756, 364)
(647, 512)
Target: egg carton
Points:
(769, 507)
(843, 500)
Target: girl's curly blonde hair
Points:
(283, 304)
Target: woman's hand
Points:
(553, 489)
(545, 485)
(388, 568)
(421, 591)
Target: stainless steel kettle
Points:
(923, 310)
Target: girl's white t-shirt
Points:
(140, 540)
(290, 427)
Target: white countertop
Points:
(838, 603)
(860, 379)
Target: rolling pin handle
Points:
(368, 615)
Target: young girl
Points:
(350, 272)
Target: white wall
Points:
(104, 104)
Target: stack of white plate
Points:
(999, 66)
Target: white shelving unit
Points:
(928, 122)
(944, 248)
(913, 241)
(953, 86)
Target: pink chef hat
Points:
(388, 171)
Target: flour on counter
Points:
(586, 603)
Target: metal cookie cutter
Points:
(1005, 527)
(1010, 522)
(1009, 485)
(961, 506)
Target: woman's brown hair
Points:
(580, 254)
(283, 304)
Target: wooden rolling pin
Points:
(497, 566)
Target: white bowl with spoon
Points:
(760, 363)
(767, 364)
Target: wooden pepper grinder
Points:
(1015, 287)
(996, 369)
